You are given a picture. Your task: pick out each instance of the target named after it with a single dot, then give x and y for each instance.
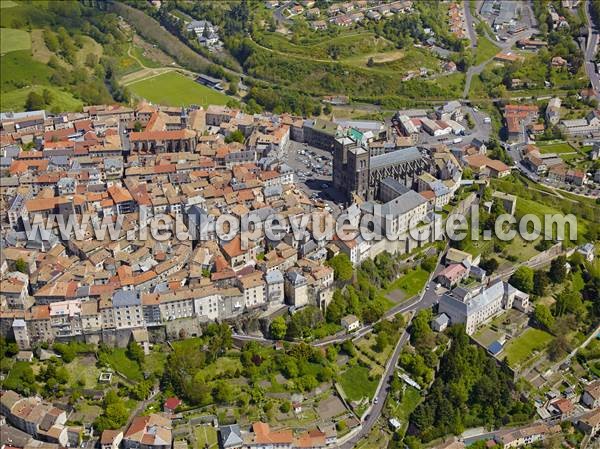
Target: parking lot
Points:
(314, 168)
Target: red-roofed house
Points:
(171, 404)
(452, 275)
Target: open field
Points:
(327, 48)
(356, 384)
(522, 348)
(39, 49)
(61, 100)
(174, 89)
(555, 147)
(89, 46)
(410, 283)
(83, 371)
(18, 68)
(485, 50)
(14, 40)
(120, 362)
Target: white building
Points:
(474, 307)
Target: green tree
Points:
(21, 265)
(278, 328)
(223, 392)
(558, 270)
(135, 352)
(489, 265)
(285, 407)
(47, 96)
(540, 282)
(429, 263)
(543, 317)
(342, 267)
(522, 279)
(34, 101)
(235, 136)
(233, 88)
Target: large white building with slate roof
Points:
(474, 307)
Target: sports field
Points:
(174, 89)
(14, 40)
(555, 147)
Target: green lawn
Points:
(411, 283)
(205, 435)
(19, 69)
(83, 371)
(408, 403)
(525, 206)
(174, 89)
(139, 53)
(120, 362)
(7, 4)
(555, 147)
(521, 348)
(356, 384)
(348, 45)
(14, 40)
(485, 50)
(61, 100)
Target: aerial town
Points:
(300, 224)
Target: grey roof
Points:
(124, 298)
(113, 162)
(395, 157)
(442, 319)
(295, 278)
(18, 322)
(274, 277)
(395, 185)
(231, 436)
(403, 204)
(361, 125)
(275, 190)
(471, 304)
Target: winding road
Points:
(590, 51)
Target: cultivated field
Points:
(174, 89)
(14, 40)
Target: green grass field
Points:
(486, 49)
(7, 4)
(139, 53)
(83, 371)
(120, 362)
(174, 89)
(411, 283)
(521, 348)
(348, 45)
(356, 384)
(555, 147)
(61, 100)
(206, 436)
(14, 40)
(19, 69)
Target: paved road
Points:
(590, 51)
(470, 25)
(503, 46)
(377, 408)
